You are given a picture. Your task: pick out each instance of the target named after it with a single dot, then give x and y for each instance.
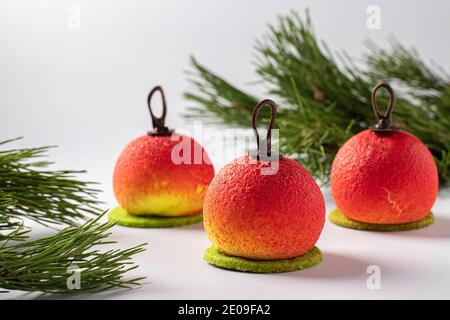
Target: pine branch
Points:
(45, 196)
(406, 66)
(43, 264)
(323, 102)
(218, 97)
(11, 230)
(28, 190)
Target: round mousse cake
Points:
(153, 177)
(380, 178)
(263, 217)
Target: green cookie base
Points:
(340, 219)
(123, 218)
(310, 259)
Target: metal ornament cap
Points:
(385, 123)
(264, 146)
(159, 129)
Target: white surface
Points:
(414, 265)
(85, 91)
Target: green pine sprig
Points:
(43, 264)
(49, 197)
(29, 190)
(324, 99)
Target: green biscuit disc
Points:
(122, 217)
(215, 257)
(340, 219)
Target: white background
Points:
(85, 91)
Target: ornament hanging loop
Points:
(264, 146)
(159, 128)
(385, 123)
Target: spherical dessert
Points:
(384, 175)
(147, 181)
(160, 179)
(263, 217)
(384, 179)
(263, 212)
